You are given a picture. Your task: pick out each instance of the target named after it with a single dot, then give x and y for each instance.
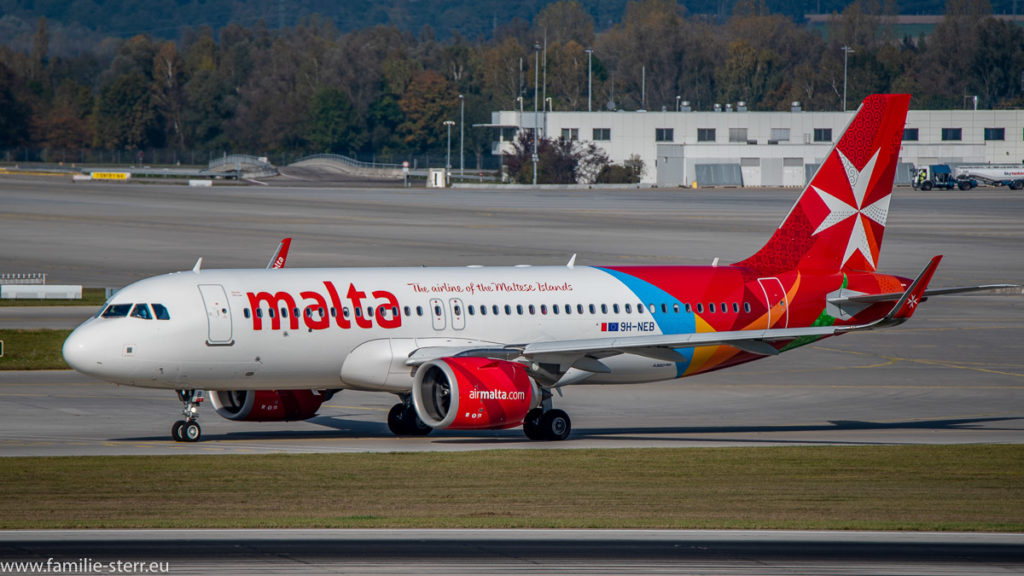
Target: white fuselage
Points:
(227, 331)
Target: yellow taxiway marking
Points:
(945, 363)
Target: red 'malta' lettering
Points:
(317, 317)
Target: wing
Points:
(586, 354)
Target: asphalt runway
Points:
(570, 552)
(954, 374)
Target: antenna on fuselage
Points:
(572, 262)
(198, 266)
(714, 263)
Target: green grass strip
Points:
(33, 349)
(972, 488)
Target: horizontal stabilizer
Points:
(894, 296)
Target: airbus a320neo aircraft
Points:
(484, 347)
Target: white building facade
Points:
(740, 148)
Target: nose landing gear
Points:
(188, 430)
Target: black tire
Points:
(1017, 185)
(191, 432)
(403, 421)
(176, 433)
(964, 186)
(396, 420)
(926, 186)
(556, 425)
(531, 424)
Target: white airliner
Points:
(484, 347)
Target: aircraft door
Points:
(437, 313)
(218, 315)
(458, 313)
(776, 302)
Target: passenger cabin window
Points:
(117, 311)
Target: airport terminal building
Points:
(731, 146)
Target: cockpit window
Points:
(142, 311)
(161, 312)
(116, 311)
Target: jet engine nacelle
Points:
(267, 405)
(473, 393)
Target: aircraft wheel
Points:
(191, 432)
(176, 433)
(556, 425)
(396, 420)
(531, 424)
(403, 421)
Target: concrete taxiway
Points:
(572, 552)
(954, 374)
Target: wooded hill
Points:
(383, 90)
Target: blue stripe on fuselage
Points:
(668, 322)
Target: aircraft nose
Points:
(80, 351)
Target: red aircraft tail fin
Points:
(839, 219)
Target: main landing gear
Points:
(544, 423)
(403, 421)
(188, 430)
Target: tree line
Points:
(385, 92)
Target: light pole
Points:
(590, 76)
(448, 159)
(678, 106)
(462, 128)
(536, 128)
(846, 53)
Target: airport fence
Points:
(474, 163)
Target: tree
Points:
(168, 94)
(331, 122)
(563, 22)
(559, 161)
(13, 112)
(125, 116)
(629, 172)
(427, 103)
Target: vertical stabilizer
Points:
(839, 219)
